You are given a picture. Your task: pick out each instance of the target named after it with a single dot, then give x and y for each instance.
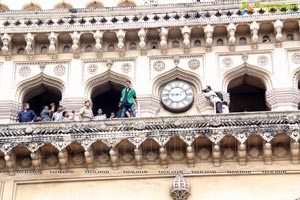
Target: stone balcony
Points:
(188, 140)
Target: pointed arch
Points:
(3, 7)
(23, 87)
(94, 4)
(63, 6)
(126, 3)
(252, 70)
(32, 6)
(101, 79)
(296, 77)
(176, 73)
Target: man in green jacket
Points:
(128, 98)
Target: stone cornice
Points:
(155, 19)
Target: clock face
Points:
(177, 96)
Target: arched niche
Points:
(254, 145)
(176, 74)
(176, 149)
(94, 4)
(150, 151)
(40, 90)
(203, 149)
(105, 91)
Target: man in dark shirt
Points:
(26, 115)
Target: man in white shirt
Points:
(100, 115)
(211, 96)
(58, 115)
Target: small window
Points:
(197, 43)
(21, 51)
(132, 46)
(67, 49)
(220, 42)
(88, 48)
(242, 41)
(111, 47)
(175, 44)
(266, 39)
(289, 37)
(154, 45)
(44, 50)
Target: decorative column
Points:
(37, 161)
(190, 154)
(163, 156)
(10, 160)
(63, 158)
(216, 155)
(6, 48)
(186, 32)
(53, 45)
(29, 45)
(138, 157)
(268, 153)
(231, 36)
(163, 33)
(294, 146)
(180, 189)
(89, 159)
(142, 35)
(208, 30)
(254, 34)
(121, 44)
(98, 35)
(114, 158)
(242, 152)
(278, 25)
(75, 46)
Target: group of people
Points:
(217, 100)
(126, 109)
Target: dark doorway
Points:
(40, 96)
(106, 97)
(247, 93)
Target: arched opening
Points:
(31, 6)
(107, 97)
(3, 7)
(95, 4)
(127, 3)
(176, 149)
(150, 149)
(229, 148)
(63, 6)
(281, 147)
(126, 152)
(42, 95)
(247, 93)
(254, 145)
(203, 149)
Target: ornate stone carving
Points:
(24, 71)
(280, 152)
(51, 161)
(78, 159)
(262, 60)
(127, 157)
(177, 155)
(126, 67)
(253, 152)
(176, 60)
(296, 58)
(180, 189)
(59, 70)
(228, 153)
(92, 68)
(194, 64)
(103, 158)
(159, 66)
(227, 62)
(26, 162)
(203, 154)
(151, 156)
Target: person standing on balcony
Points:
(27, 115)
(86, 112)
(211, 96)
(128, 98)
(46, 113)
(57, 116)
(100, 115)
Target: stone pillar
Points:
(216, 155)
(163, 156)
(186, 32)
(53, 45)
(75, 46)
(138, 157)
(231, 36)
(37, 161)
(89, 159)
(268, 153)
(278, 25)
(63, 159)
(6, 48)
(114, 158)
(208, 30)
(98, 38)
(10, 163)
(242, 152)
(121, 44)
(190, 154)
(163, 33)
(29, 45)
(294, 147)
(148, 105)
(254, 34)
(142, 35)
(282, 99)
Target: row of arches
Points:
(176, 149)
(67, 5)
(246, 89)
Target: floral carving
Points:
(159, 66)
(194, 64)
(296, 58)
(126, 68)
(24, 71)
(262, 60)
(92, 68)
(59, 70)
(227, 62)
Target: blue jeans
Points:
(125, 108)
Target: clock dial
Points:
(177, 96)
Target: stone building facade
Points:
(67, 52)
